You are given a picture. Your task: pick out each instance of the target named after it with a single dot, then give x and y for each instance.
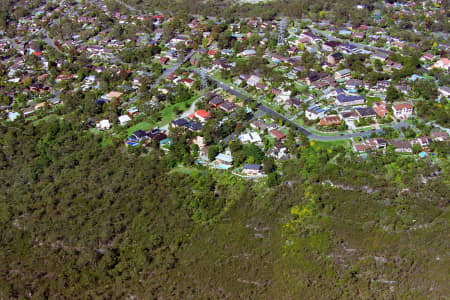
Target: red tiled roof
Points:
(277, 134)
(202, 113)
(402, 106)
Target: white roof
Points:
(104, 124)
(124, 119)
(252, 137)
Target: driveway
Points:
(306, 132)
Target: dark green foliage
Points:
(253, 153)
(393, 94)
(82, 220)
(426, 89)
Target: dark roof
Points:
(402, 144)
(345, 98)
(337, 55)
(158, 136)
(314, 76)
(180, 122)
(332, 44)
(348, 114)
(348, 47)
(194, 126)
(294, 101)
(365, 111)
(100, 101)
(228, 105)
(255, 167)
(311, 35)
(140, 133)
(216, 100)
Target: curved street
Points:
(325, 138)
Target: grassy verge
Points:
(139, 126)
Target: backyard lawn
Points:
(139, 126)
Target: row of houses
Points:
(403, 146)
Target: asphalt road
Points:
(172, 69)
(309, 134)
(332, 38)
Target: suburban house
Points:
(380, 56)
(354, 83)
(439, 136)
(248, 52)
(382, 86)
(324, 83)
(380, 109)
(348, 49)
(194, 126)
(366, 112)
(330, 120)
(138, 136)
(277, 134)
(202, 115)
(330, 46)
(260, 86)
(216, 101)
(188, 82)
(252, 169)
(341, 74)
(358, 35)
(179, 123)
(250, 138)
(261, 125)
(28, 111)
(335, 58)
(402, 110)
(391, 65)
(428, 57)
(124, 119)
(401, 145)
(349, 115)
(279, 151)
(311, 37)
(314, 76)
(349, 100)
(103, 125)
(444, 91)
(422, 141)
(112, 95)
(227, 106)
(225, 159)
(253, 80)
(443, 63)
(212, 52)
(199, 141)
(370, 144)
(164, 60)
(132, 112)
(314, 112)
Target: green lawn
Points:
(139, 126)
(168, 113)
(330, 144)
(299, 121)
